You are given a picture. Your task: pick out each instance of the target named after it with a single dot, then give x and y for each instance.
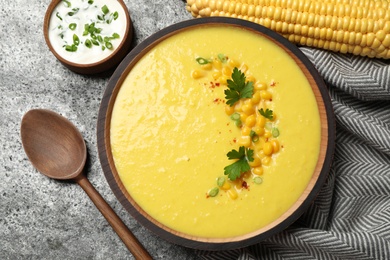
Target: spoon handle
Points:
(131, 242)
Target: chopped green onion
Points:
(72, 26)
(115, 36)
(68, 4)
(100, 17)
(76, 40)
(213, 192)
(58, 15)
(222, 58)
(235, 116)
(254, 136)
(95, 42)
(71, 48)
(115, 15)
(88, 43)
(105, 9)
(258, 180)
(268, 126)
(202, 61)
(238, 123)
(221, 181)
(75, 10)
(103, 47)
(275, 132)
(90, 2)
(100, 38)
(109, 45)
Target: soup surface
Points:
(172, 128)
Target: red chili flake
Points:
(234, 140)
(272, 84)
(217, 84)
(245, 185)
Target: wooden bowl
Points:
(96, 66)
(319, 176)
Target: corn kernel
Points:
(233, 64)
(266, 95)
(229, 110)
(248, 108)
(196, 74)
(258, 170)
(243, 116)
(206, 66)
(255, 163)
(226, 71)
(260, 122)
(250, 121)
(250, 78)
(223, 79)
(216, 75)
(244, 68)
(244, 141)
(266, 160)
(245, 130)
(268, 148)
(217, 64)
(267, 134)
(226, 186)
(275, 145)
(259, 130)
(232, 193)
(255, 98)
(260, 86)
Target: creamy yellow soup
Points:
(171, 131)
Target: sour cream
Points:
(69, 35)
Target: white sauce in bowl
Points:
(70, 17)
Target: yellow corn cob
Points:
(361, 27)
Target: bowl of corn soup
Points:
(216, 133)
(88, 36)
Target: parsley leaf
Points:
(235, 169)
(267, 113)
(238, 88)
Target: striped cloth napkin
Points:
(350, 219)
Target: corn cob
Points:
(361, 27)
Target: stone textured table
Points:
(41, 218)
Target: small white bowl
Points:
(96, 65)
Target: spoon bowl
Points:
(57, 149)
(53, 144)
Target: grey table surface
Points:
(42, 218)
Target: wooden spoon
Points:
(56, 148)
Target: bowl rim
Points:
(98, 66)
(328, 130)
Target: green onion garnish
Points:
(90, 2)
(254, 136)
(58, 15)
(258, 180)
(72, 26)
(109, 45)
(76, 40)
(71, 48)
(213, 192)
(202, 61)
(221, 181)
(105, 9)
(115, 36)
(88, 43)
(222, 58)
(116, 15)
(275, 132)
(68, 4)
